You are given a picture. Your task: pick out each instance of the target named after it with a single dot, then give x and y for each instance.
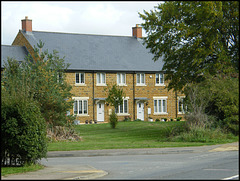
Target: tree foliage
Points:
(23, 128)
(214, 101)
(115, 98)
(194, 38)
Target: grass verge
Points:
(135, 134)
(15, 170)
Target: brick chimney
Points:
(27, 24)
(137, 31)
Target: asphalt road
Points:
(194, 165)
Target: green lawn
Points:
(15, 170)
(134, 134)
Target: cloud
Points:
(102, 14)
(102, 18)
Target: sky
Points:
(84, 17)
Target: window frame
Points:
(120, 77)
(160, 76)
(183, 108)
(100, 77)
(142, 79)
(80, 106)
(81, 80)
(123, 109)
(160, 105)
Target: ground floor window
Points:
(80, 106)
(160, 105)
(122, 108)
(182, 108)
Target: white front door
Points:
(100, 111)
(140, 111)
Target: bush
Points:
(113, 120)
(23, 132)
(157, 120)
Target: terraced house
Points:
(99, 60)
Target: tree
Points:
(50, 88)
(23, 128)
(43, 79)
(115, 98)
(214, 102)
(194, 38)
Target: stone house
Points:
(99, 60)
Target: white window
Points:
(160, 79)
(160, 105)
(80, 78)
(121, 78)
(181, 107)
(141, 79)
(122, 109)
(60, 77)
(80, 106)
(101, 78)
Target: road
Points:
(184, 166)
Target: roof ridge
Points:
(83, 34)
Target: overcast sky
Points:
(89, 17)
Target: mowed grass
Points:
(135, 134)
(15, 170)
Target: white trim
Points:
(159, 84)
(101, 80)
(80, 98)
(160, 97)
(125, 78)
(123, 114)
(140, 79)
(80, 78)
(80, 84)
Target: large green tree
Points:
(42, 78)
(194, 38)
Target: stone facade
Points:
(134, 93)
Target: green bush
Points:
(23, 132)
(157, 120)
(113, 120)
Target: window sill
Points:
(122, 84)
(101, 84)
(160, 85)
(181, 113)
(123, 114)
(79, 85)
(139, 85)
(164, 113)
(81, 115)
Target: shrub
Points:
(113, 120)
(157, 120)
(23, 132)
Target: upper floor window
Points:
(80, 78)
(141, 79)
(160, 79)
(101, 78)
(121, 78)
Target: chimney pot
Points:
(27, 24)
(137, 31)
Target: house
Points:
(99, 60)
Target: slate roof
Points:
(16, 52)
(97, 52)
